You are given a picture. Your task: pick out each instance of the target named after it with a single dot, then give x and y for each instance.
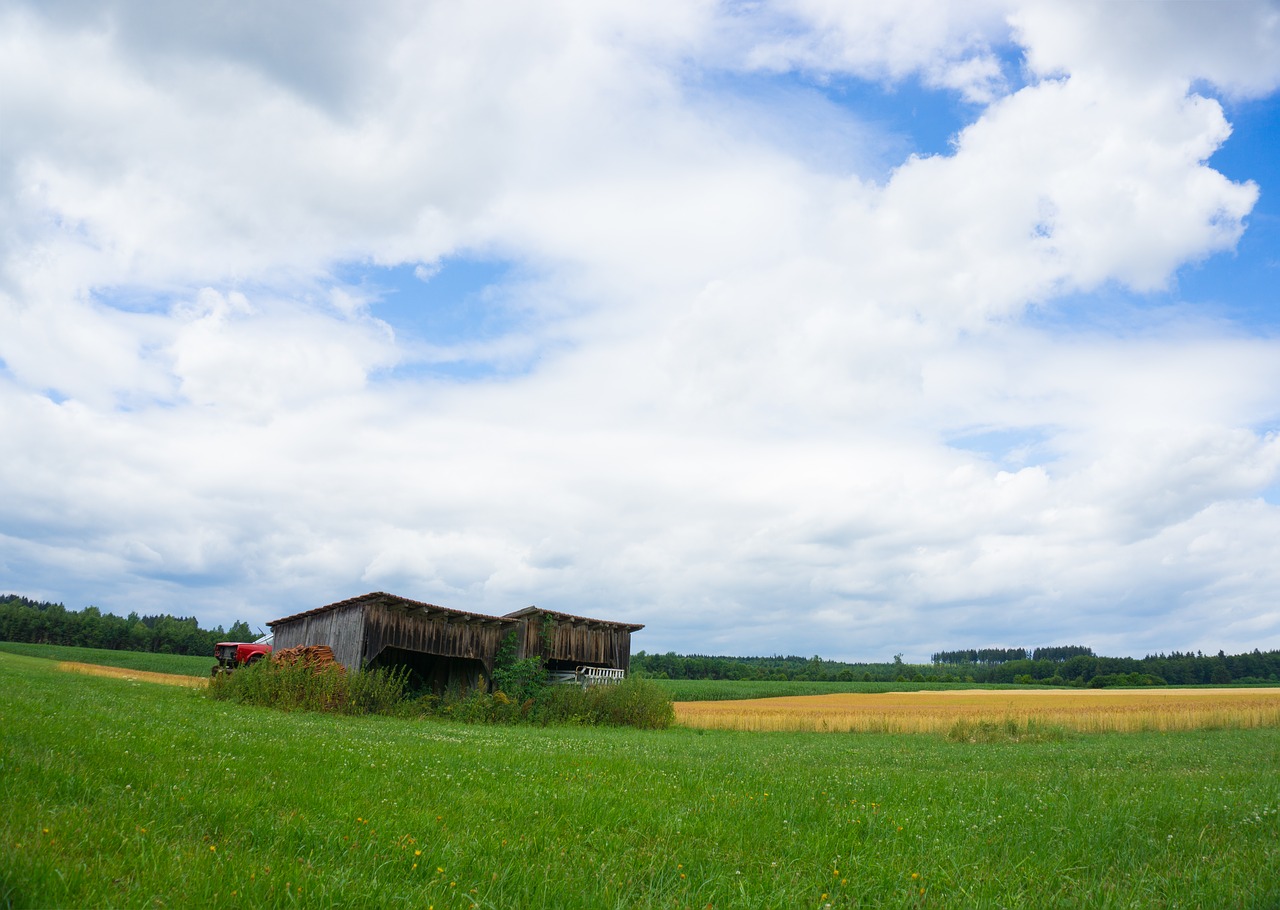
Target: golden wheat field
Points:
(168, 679)
(1082, 710)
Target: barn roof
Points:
(570, 618)
(448, 614)
(405, 605)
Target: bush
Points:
(298, 687)
(520, 680)
(631, 703)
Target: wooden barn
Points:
(445, 647)
(568, 642)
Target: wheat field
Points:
(168, 679)
(1080, 710)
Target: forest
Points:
(26, 620)
(1063, 666)
(38, 622)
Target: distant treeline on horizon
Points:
(1068, 665)
(37, 622)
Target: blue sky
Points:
(795, 327)
(447, 303)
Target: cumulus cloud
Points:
(772, 388)
(1235, 46)
(945, 46)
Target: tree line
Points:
(1004, 655)
(38, 622)
(1068, 665)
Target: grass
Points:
(177, 664)
(1079, 710)
(124, 794)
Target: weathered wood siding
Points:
(439, 633)
(341, 628)
(452, 643)
(576, 641)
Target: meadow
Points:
(146, 661)
(121, 793)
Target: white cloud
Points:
(947, 45)
(1235, 44)
(750, 350)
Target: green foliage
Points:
(521, 679)
(1010, 730)
(36, 622)
(1073, 664)
(518, 679)
(1125, 679)
(632, 702)
(298, 687)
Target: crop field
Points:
(121, 793)
(168, 679)
(959, 710)
(172, 664)
(740, 689)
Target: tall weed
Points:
(632, 702)
(1008, 730)
(298, 687)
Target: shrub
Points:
(298, 687)
(632, 702)
(519, 680)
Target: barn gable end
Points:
(339, 625)
(567, 642)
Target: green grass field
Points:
(128, 794)
(180, 664)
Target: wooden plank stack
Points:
(315, 656)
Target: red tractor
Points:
(232, 654)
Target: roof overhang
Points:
(571, 620)
(398, 604)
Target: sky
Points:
(803, 327)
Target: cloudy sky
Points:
(805, 327)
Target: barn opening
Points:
(436, 673)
